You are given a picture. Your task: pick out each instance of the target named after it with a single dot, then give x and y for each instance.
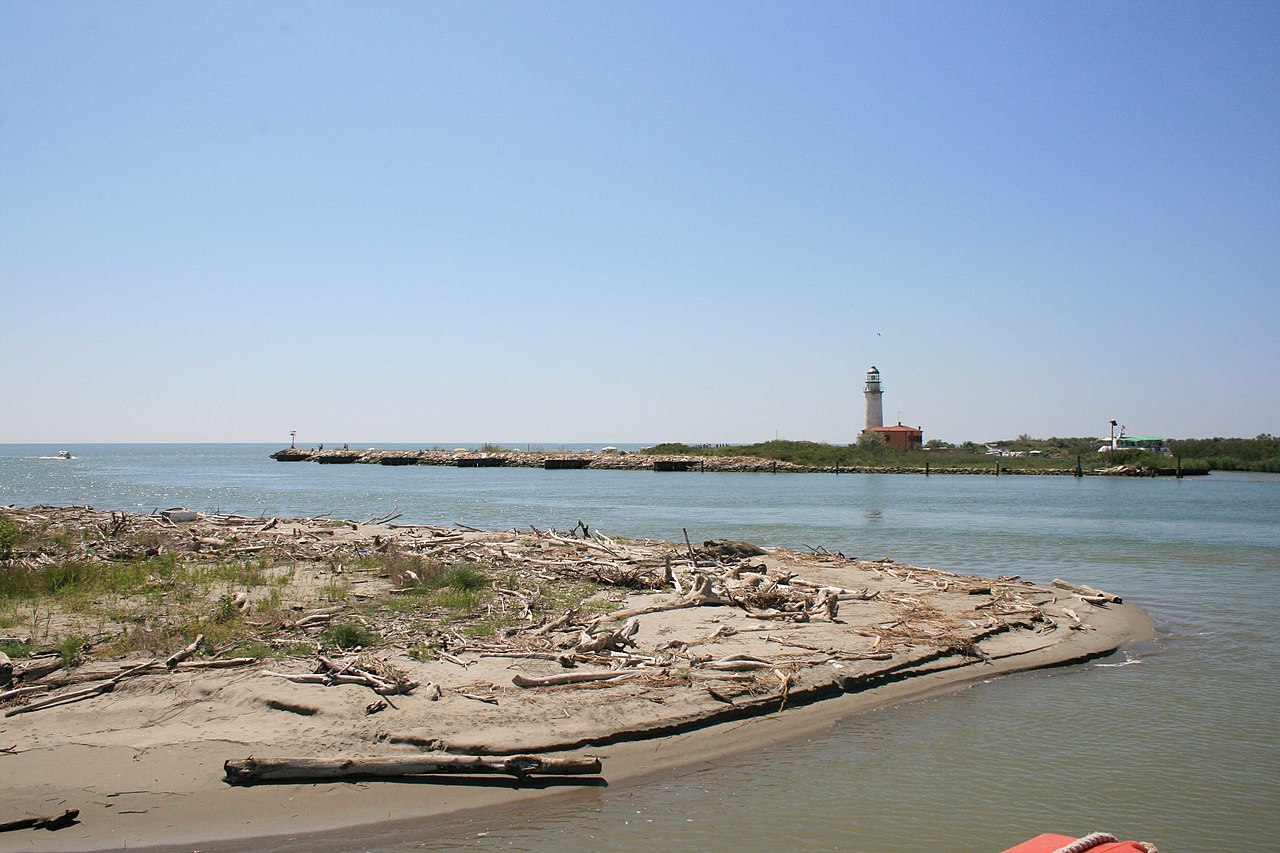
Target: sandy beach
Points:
(673, 654)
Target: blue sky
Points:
(637, 222)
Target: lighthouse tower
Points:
(875, 403)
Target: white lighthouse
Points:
(875, 402)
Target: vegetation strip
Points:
(1023, 455)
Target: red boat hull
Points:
(1048, 843)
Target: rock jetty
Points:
(616, 460)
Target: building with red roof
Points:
(904, 437)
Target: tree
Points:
(871, 442)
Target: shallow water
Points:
(1176, 742)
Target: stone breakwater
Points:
(576, 459)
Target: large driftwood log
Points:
(50, 822)
(1083, 591)
(36, 669)
(570, 678)
(251, 770)
(738, 665)
(219, 663)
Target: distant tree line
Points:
(1220, 454)
(1230, 454)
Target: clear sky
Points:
(636, 222)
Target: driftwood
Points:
(179, 656)
(22, 691)
(82, 676)
(313, 620)
(488, 700)
(586, 543)
(377, 685)
(733, 663)
(251, 770)
(571, 677)
(331, 673)
(50, 822)
(105, 687)
(702, 594)
(605, 640)
(827, 604)
(559, 622)
(743, 665)
(221, 663)
(718, 696)
(36, 669)
(1083, 591)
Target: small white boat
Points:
(64, 454)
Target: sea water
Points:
(1175, 741)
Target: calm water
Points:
(1176, 742)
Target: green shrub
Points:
(18, 648)
(226, 609)
(348, 635)
(871, 442)
(10, 535)
(71, 649)
(418, 574)
(464, 577)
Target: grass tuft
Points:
(349, 635)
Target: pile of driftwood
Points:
(600, 647)
(715, 574)
(86, 534)
(376, 675)
(791, 614)
(603, 650)
(44, 672)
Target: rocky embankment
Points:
(551, 459)
(577, 459)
